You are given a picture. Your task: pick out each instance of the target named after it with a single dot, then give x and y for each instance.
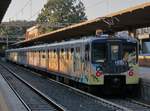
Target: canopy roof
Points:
(128, 19)
(3, 8)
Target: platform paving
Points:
(145, 72)
(145, 83)
(8, 99)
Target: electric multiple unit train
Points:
(93, 61)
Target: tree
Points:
(14, 28)
(62, 11)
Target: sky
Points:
(29, 9)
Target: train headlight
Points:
(131, 72)
(99, 73)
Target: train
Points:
(91, 61)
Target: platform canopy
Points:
(128, 19)
(3, 8)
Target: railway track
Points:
(33, 100)
(131, 104)
(72, 99)
(112, 104)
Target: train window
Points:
(43, 55)
(54, 53)
(72, 50)
(114, 52)
(78, 52)
(62, 53)
(130, 53)
(50, 54)
(98, 52)
(87, 48)
(67, 54)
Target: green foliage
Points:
(11, 31)
(14, 28)
(62, 11)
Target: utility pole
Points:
(6, 41)
(6, 36)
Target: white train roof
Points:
(72, 43)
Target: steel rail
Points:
(22, 101)
(48, 99)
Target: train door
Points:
(32, 57)
(49, 59)
(65, 61)
(55, 61)
(29, 59)
(58, 59)
(36, 58)
(67, 58)
(72, 60)
(86, 63)
(77, 61)
(43, 59)
(114, 56)
(115, 50)
(62, 60)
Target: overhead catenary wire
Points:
(96, 4)
(22, 9)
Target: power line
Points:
(96, 4)
(28, 3)
(36, 13)
(22, 9)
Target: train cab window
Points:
(130, 53)
(114, 52)
(98, 52)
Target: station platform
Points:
(145, 83)
(145, 73)
(8, 99)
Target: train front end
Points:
(114, 63)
